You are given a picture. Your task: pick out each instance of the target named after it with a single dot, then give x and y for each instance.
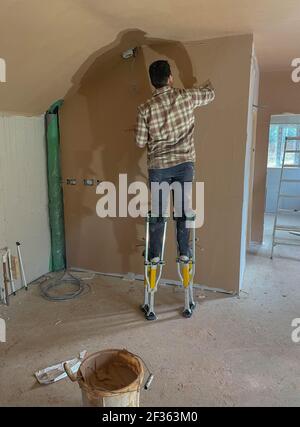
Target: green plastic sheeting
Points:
(55, 195)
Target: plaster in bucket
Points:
(110, 378)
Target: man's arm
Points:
(141, 130)
(202, 95)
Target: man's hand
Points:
(207, 84)
(203, 95)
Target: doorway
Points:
(282, 126)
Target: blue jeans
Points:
(181, 173)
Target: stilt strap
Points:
(155, 219)
(149, 263)
(189, 261)
(190, 217)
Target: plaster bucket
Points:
(110, 378)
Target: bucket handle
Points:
(150, 378)
(70, 374)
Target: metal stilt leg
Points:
(145, 306)
(186, 272)
(153, 272)
(191, 290)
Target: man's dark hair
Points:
(160, 72)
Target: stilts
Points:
(186, 271)
(153, 270)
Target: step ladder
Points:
(293, 229)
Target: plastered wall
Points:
(98, 142)
(23, 192)
(44, 46)
(278, 95)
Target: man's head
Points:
(160, 74)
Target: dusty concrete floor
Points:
(233, 352)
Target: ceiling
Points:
(45, 43)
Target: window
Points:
(277, 135)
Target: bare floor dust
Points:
(234, 351)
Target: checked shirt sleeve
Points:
(202, 96)
(141, 130)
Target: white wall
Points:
(23, 192)
(253, 100)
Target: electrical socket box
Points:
(129, 53)
(71, 181)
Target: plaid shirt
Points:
(166, 124)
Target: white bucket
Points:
(110, 378)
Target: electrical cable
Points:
(65, 277)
